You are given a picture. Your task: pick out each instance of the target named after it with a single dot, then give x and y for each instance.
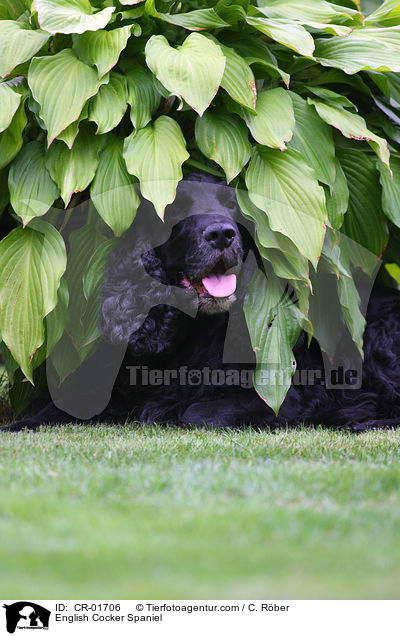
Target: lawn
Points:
(149, 512)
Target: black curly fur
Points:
(158, 335)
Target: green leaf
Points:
(312, 138)
(391, 190)
(32, 190)
(57, 319)
(284, 186)
(277, 248)
(274, 322)
(290, 34)
(353, 54)
(61, 74)
(350, 302)
(317, 14)
(101, 48)
(326, 95)
(4, 193)
(11, 139)
(73, 170)
(273, 122)
(69, 134)
(83, 247)
(223, 138)
(388, 14)
(108, 107)
(196, 20)
(338, 200)
(9, 102)
(71, 16)
(305, 11)
(238, 79)
(192, 71)
(143, 97)
(255, 51)
(96, 268)
(364, 221)
(13, 9)
(352, 126)
(155, 155)
(113, 190)
(92, 281)
(32, 261)
(17, 44)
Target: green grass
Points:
(148, 512)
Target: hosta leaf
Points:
(389, 36)
(61, 74)
(13, 9)
(57, 319)
(73, 170)
(9, 102)
(69, 134)
(238, 79)
(352, 126)
(284, 186)
(290, 34)
(274, 322)
(32, 190)
(391, 190)
(304, 10)
(388, 14)
(255, 51)
(223, 138)
(312, 138)
(143, 97)
(274, 246)
(192, 71)
(109, 105)
(113, 190)
(196, 20)
(155, 155)
(350, 302)
(364, 221)
(96, 269)
(353, 54)
(337, 201)
(331, 97)
(32, 261)
(101, 48)
(4, 193)
(317, 14)
(71, 350)
(71, 16)
(11, 138)
(17, 44)
(92, 281)
(273, 122)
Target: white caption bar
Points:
(278, 618)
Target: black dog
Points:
(167, 312)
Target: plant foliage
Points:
(296, 103)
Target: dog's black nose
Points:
(220, 235)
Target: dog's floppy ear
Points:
(127, 290)
(139, 308)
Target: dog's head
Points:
(204, 253)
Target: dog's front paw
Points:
(21, 425)
(204, 414)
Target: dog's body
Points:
(175, 367)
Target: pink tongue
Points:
(220, 285)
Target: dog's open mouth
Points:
(218, 283)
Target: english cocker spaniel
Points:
(175, 347)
